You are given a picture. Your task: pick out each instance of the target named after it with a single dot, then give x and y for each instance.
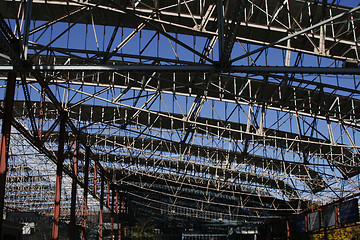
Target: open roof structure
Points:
(241, 110)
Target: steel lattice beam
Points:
(258, 129)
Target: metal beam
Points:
(5, 139)
(72, 231)
(187, 68)
(112, 211)
(329, 20)
(118, 214)
(220, 20)
(102, 180)
(59, 170)
(27, 27)
(84, 204)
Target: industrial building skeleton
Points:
(201, 109)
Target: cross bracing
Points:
(201, 109)
(273, 19)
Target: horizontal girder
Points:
(273, 19)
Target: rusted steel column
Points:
(117, 214)
(112, 212)
(86, 184)
(123, 211)
(124, 206)
(337, 220)
(287, 229)
(73, 190)
(5, 138)
(95, 178)
(56, 220)
(101, 208)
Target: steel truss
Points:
(195, 109)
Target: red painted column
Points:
(86, 185)
(101, 208)
(118, 215)
(56, 220)
(95, 178)
(108, 193)
(5, 139)
(73, 190)
(337, 222)
(112, 212)
(123, 210)
(287, 229)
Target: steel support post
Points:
(74, 190)
(101, 208)
(95, 178)
(117, 214)
(60, 160)
(287, 229)
(5, 139)
(86, 184)
(112, 212)
(27, 27)
(325, 234)
(108, 193)
(123, 211)
(220, 20)
(41, 114)
(337, 220)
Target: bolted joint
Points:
(222, 66)
(25, 65)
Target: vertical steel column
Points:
(95, 178)
(112, 212)
(5, 139)
(287, 229)
(117, 214)
(101, 207)
(108, 193)
(73, 190)
(123, 210)
(41, 114)
(27, 27)
(325, 234)
(86, 184)
(220, 20)
(60, 160)
(337, 221)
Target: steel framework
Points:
(197, 109)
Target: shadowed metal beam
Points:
(177, 68)
(329, 20)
